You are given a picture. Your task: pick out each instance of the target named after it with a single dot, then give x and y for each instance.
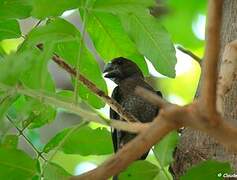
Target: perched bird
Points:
(127, 75)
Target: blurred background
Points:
(185, 22)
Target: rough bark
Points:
(194, 146)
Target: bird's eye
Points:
(120, 62)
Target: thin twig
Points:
(20, 131)
(190, 53)
(90, 85)
(111, 102)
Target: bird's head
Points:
(121, 68)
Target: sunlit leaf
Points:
(87, 66)
(9, 29)
(11, 69)
(111, 40)
(56, 30)
(53, 171)
(45, 8)
(121, 6)
(152, 40)
(12, 9)
(83, 141)
(211, 170)
(16, 164)
(141, 170)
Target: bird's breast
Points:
(141, 109)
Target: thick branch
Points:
(228, 72)
(131, 151)
(209, 81)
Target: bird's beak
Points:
(110, 71)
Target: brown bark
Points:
(195, 146)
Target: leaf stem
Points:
(20, 131)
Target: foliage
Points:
(115, 28)
(208, 170)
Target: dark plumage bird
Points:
(127, 75)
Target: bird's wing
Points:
(113, 115)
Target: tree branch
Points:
(228, 72)
(190, 53)
(54, 100)
(111, 102)
(209, 79)
(199, 115)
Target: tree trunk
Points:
(195, 146)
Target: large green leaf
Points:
(141, 170)
(38, 76)
(12, 9)
(87, 66)
(165, 148)
(15, 65)
(53, 171)
(16, 164)
(120, 6)
(66, 38)
(84, 141)
(152, 40)
(211, 170)
(111, 40)
(56, 30)
(46, 8)
(9, 29)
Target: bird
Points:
(127, 76)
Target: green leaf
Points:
(165, 148)
(14, 65)
(16, 164)
(84, 141)
(56, 30)
(87, 66)
(40, 78)
(66, 39)
(210, 169)
(6, 101)
(152, 40)
(10, 142)
(15, 9)
(141, 170)
(45, 8)
(121, 6)
(53, 171)
(31, 113)
(107, 32)
(9, 29)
